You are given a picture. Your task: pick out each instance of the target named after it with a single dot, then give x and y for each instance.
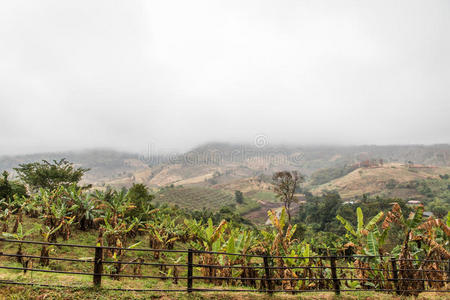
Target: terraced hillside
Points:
(376, 181)
(224, 165)
(195, 197)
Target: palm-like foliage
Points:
(425, 246)
(63, 208)
(116, 206)
(84, 207)
(48, 234)
(278, 240)
(365, 238)
(5, 213)
(20, 235)
(210, 237)
(207, 238)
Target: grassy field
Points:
(263, 196)
(195, 197)
(18, 292)
(247, 206)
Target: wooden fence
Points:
(335, 272)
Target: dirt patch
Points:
(260, 215)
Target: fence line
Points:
(269, 280)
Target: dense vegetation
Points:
(50, 175)
(325, 175)
(324, 225)
(436, 192)
(318, 218)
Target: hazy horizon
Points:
(268, 146)
(174, 75)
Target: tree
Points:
(50, 175)
(239, 197)
(140, 197)
(285, 183)
(9, 188)
(319, 212)
(5, 187)
(439, 207)
(327, 210)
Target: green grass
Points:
(26, 292)
(195, 197)
(247, 206)
(264, 196)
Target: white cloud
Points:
(78, 74)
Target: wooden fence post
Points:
(98, 266)
(336, 281)
(269, 285)
(448, 269)
(189, 271)
(395, 275)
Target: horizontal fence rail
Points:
(234, 272)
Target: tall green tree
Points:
(320, 212)
(140, 197)
(239, 197)
(10, 188)
(5, 187)
(50, 175)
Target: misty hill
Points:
(392, 180)
(309, 159)
(208, 175)
(222, 164)
(103, 163)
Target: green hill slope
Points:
(195, 197)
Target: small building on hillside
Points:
(413, 202)
(428, 214)
(349, 202)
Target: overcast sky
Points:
(175, 74)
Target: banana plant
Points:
(84, 207)
(48, 234)
(5, 214)
(420, 243)
(240, 241)
(28, 205)
(210, 237)
(278, 240)
(20, 235)
(408, 225)
(160, 239)
(358, 236)
(303, 253)
(117, 268)
(59, 216)
(148, 212)
(116, 204)
(25, 206)
(207, 238)
(367, 240)
(435, 234)
(116, 235)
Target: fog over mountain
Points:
(170, 75)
